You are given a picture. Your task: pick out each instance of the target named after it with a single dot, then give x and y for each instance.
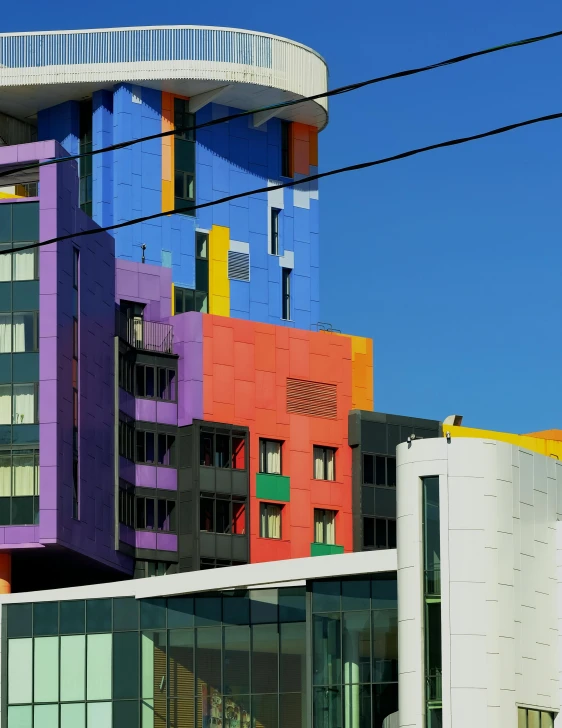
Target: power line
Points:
(293, 102)
(293, 183)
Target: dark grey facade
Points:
(213, 491)
(373, 437)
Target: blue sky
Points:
(450, 261)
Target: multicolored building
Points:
(169, 399)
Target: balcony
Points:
(147, 335)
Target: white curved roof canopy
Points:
(244, 68)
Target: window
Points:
(148, 441)
(155, 514)
(188, 299)
(274, 231)
(126, 437)
(379, 533)
(379, 470)
(324, 526)
(19, 404)
(270, 457)
(286, 294)
(222, 514)
(533, 718)
(144, 380)
(270, 520)
(19, 487)
(126, 504)
(19, 332)
(166, 444)
(286, 170)
(18, 266)
(222, 449)
(432, 595)
(85, 164)
(184, 158)
(125, 372)
(76, 372)
(145, 569)
(166, 384)
(324, 463)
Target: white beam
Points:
(198, 101)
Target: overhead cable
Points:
(293, 183)
(292, 102)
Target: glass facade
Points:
(354, 652)
(19, 365)
(432, 596)
(235, 659)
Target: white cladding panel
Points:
(499, 581)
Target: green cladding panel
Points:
(273, 487)
(325, 549)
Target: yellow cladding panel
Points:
(10, 196)
(219, 285)
(173, 300)
(167, 152)
(551, 448)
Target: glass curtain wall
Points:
(432, 598)
(234, 660)
(354, 652)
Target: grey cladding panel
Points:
(222, 480)
(240, 482)
(207, 479)
(373, 436)
(239, 548)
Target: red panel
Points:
(223, 345)
(240, 352)
(223, 383)
(265, 351)
(244, 400)
(266, 390)
(244, 361)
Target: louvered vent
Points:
(313, 399)
(238, 265)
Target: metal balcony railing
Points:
(148, 335)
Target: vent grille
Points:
(312, 399)
(238, 265)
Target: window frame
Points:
(262, 446)
(233, 434)
(274, 227)
(374, 456)
(224, 498)
(325, 449)
(279, 506)
(286, 294)
(374, 520)
(325, 512)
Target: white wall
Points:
(499, 507)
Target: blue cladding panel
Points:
(231, 158)
(240, 296)
(102, 164)
(61, 122)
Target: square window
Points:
(270, 457)
(270, 520)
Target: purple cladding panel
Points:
(145, 410)
(145, 476)
(92, 534)
(126, 534)
(167, 413)
(188, 344)
(126, 403)
(145, 539)
(167, 478)
(166, 541)
(127, 470)
(148, 284)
